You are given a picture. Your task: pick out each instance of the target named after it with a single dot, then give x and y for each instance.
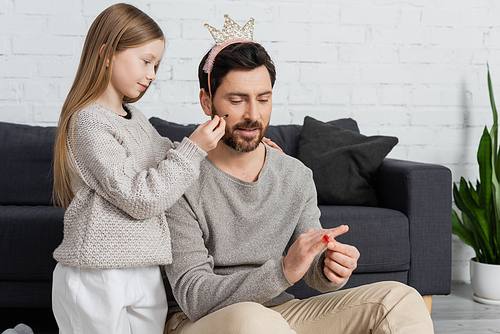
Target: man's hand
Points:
(340, 259)
(303, 251)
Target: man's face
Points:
(246, 96)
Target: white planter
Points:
(485, 280)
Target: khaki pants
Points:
(385, 307)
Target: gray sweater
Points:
(127, 175)
(229, 237)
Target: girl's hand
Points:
(272, 144)
(208, 134)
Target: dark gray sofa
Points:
(407, 238)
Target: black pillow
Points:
(344, 162)
(288, 136)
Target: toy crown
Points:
(231, 30)
(231, 33)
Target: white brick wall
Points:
(415, 69)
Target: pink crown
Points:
(231, 33)
(231, 30)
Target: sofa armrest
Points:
(423, 193)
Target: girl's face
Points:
(134, 69)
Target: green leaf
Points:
(477, 240)
(460, 230)
(475, 192)
(485, 170)
(485, 159)
(495, 222)
(494, 129)
(477, 215)
(466, 202)
(468, 224)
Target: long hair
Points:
(117, 28)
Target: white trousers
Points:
(125, 301)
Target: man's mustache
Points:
(248, 125)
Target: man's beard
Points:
(242, 143)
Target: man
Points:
(231, 229)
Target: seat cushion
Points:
(381, 236)
(28, 236)
(32, 294)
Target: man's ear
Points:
(206, 102)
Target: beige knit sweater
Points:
(127, 175)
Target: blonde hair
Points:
(117, 28)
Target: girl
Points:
(116, 175)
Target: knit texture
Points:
(127, 175)
(229, 237)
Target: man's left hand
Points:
(340, 261)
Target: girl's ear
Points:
(100, 54)
(206, 102)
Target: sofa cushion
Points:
(26, 166)
(344, 163)
(381, 235)
(382, 238)
(28, 237)
(32, 296)
(285, 136)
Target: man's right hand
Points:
(303, 251)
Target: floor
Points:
(457, 313)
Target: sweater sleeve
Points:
(197, 289)
(103, 163)
(163, 145)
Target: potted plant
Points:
(480, 208)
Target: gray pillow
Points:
(344, 162)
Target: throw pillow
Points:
(344, 162)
